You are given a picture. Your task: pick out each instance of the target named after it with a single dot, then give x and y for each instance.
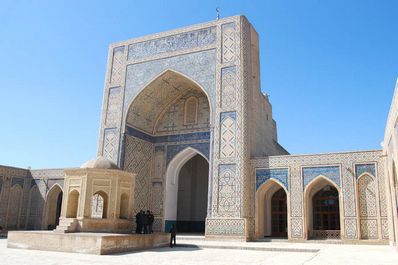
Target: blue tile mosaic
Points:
(173, 150)
(280, 174)
(225, 115)
(182, 41)
(362, 168)
(168, 138)
(331, 172)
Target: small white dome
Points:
(100, 162)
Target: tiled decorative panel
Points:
(369, 229)
(228, 42)
(138, 159)
(350, 225)
(110, 144)
(367, 196)
(173, 150)
(365, 168)
(229, 190)
(113, 106)
(178, 42)
(228, 87)
(331, 172)
(117, 65)
(228, 134)
(225, 227)
(280, 174)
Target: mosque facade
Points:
(184, 111)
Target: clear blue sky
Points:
(329, 66)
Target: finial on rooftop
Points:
(218, 13)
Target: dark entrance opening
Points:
(279, 214)
(326, 214)
(192, 195)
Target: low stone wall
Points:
(87, 243)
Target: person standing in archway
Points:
(173, 234)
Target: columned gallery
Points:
(184, 112)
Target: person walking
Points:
(173, 234)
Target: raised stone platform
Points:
(88, 243)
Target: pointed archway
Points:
(186, 192)
(271, 210)
(53, 207)
(322, 209)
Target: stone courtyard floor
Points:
(210, 252)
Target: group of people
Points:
(144, 221)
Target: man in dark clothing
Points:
(138, 223)
(145, 222)
(151, 219)
(173, 234)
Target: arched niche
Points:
(72, 204)
(263, 207)
(124, 206)
(318, 189)
(99, 205)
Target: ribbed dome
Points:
(100, 162)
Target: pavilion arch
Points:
(99, 204)
(263, 217)
(72, 204)
(52, 208)
(170, 85)
(172, 174)
(124, 206)
(311, 189)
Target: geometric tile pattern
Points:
(369, 229)
(384, 228)
(183, 41)
(367, 196)
(350, 228)
(138, 159)
(228, 86)
(227, 134)
(331, 172)
(114, 101)
(110, 144)
(225, 227)
(280, 174)
(228, 42)
(229, 190)
(117, 64)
